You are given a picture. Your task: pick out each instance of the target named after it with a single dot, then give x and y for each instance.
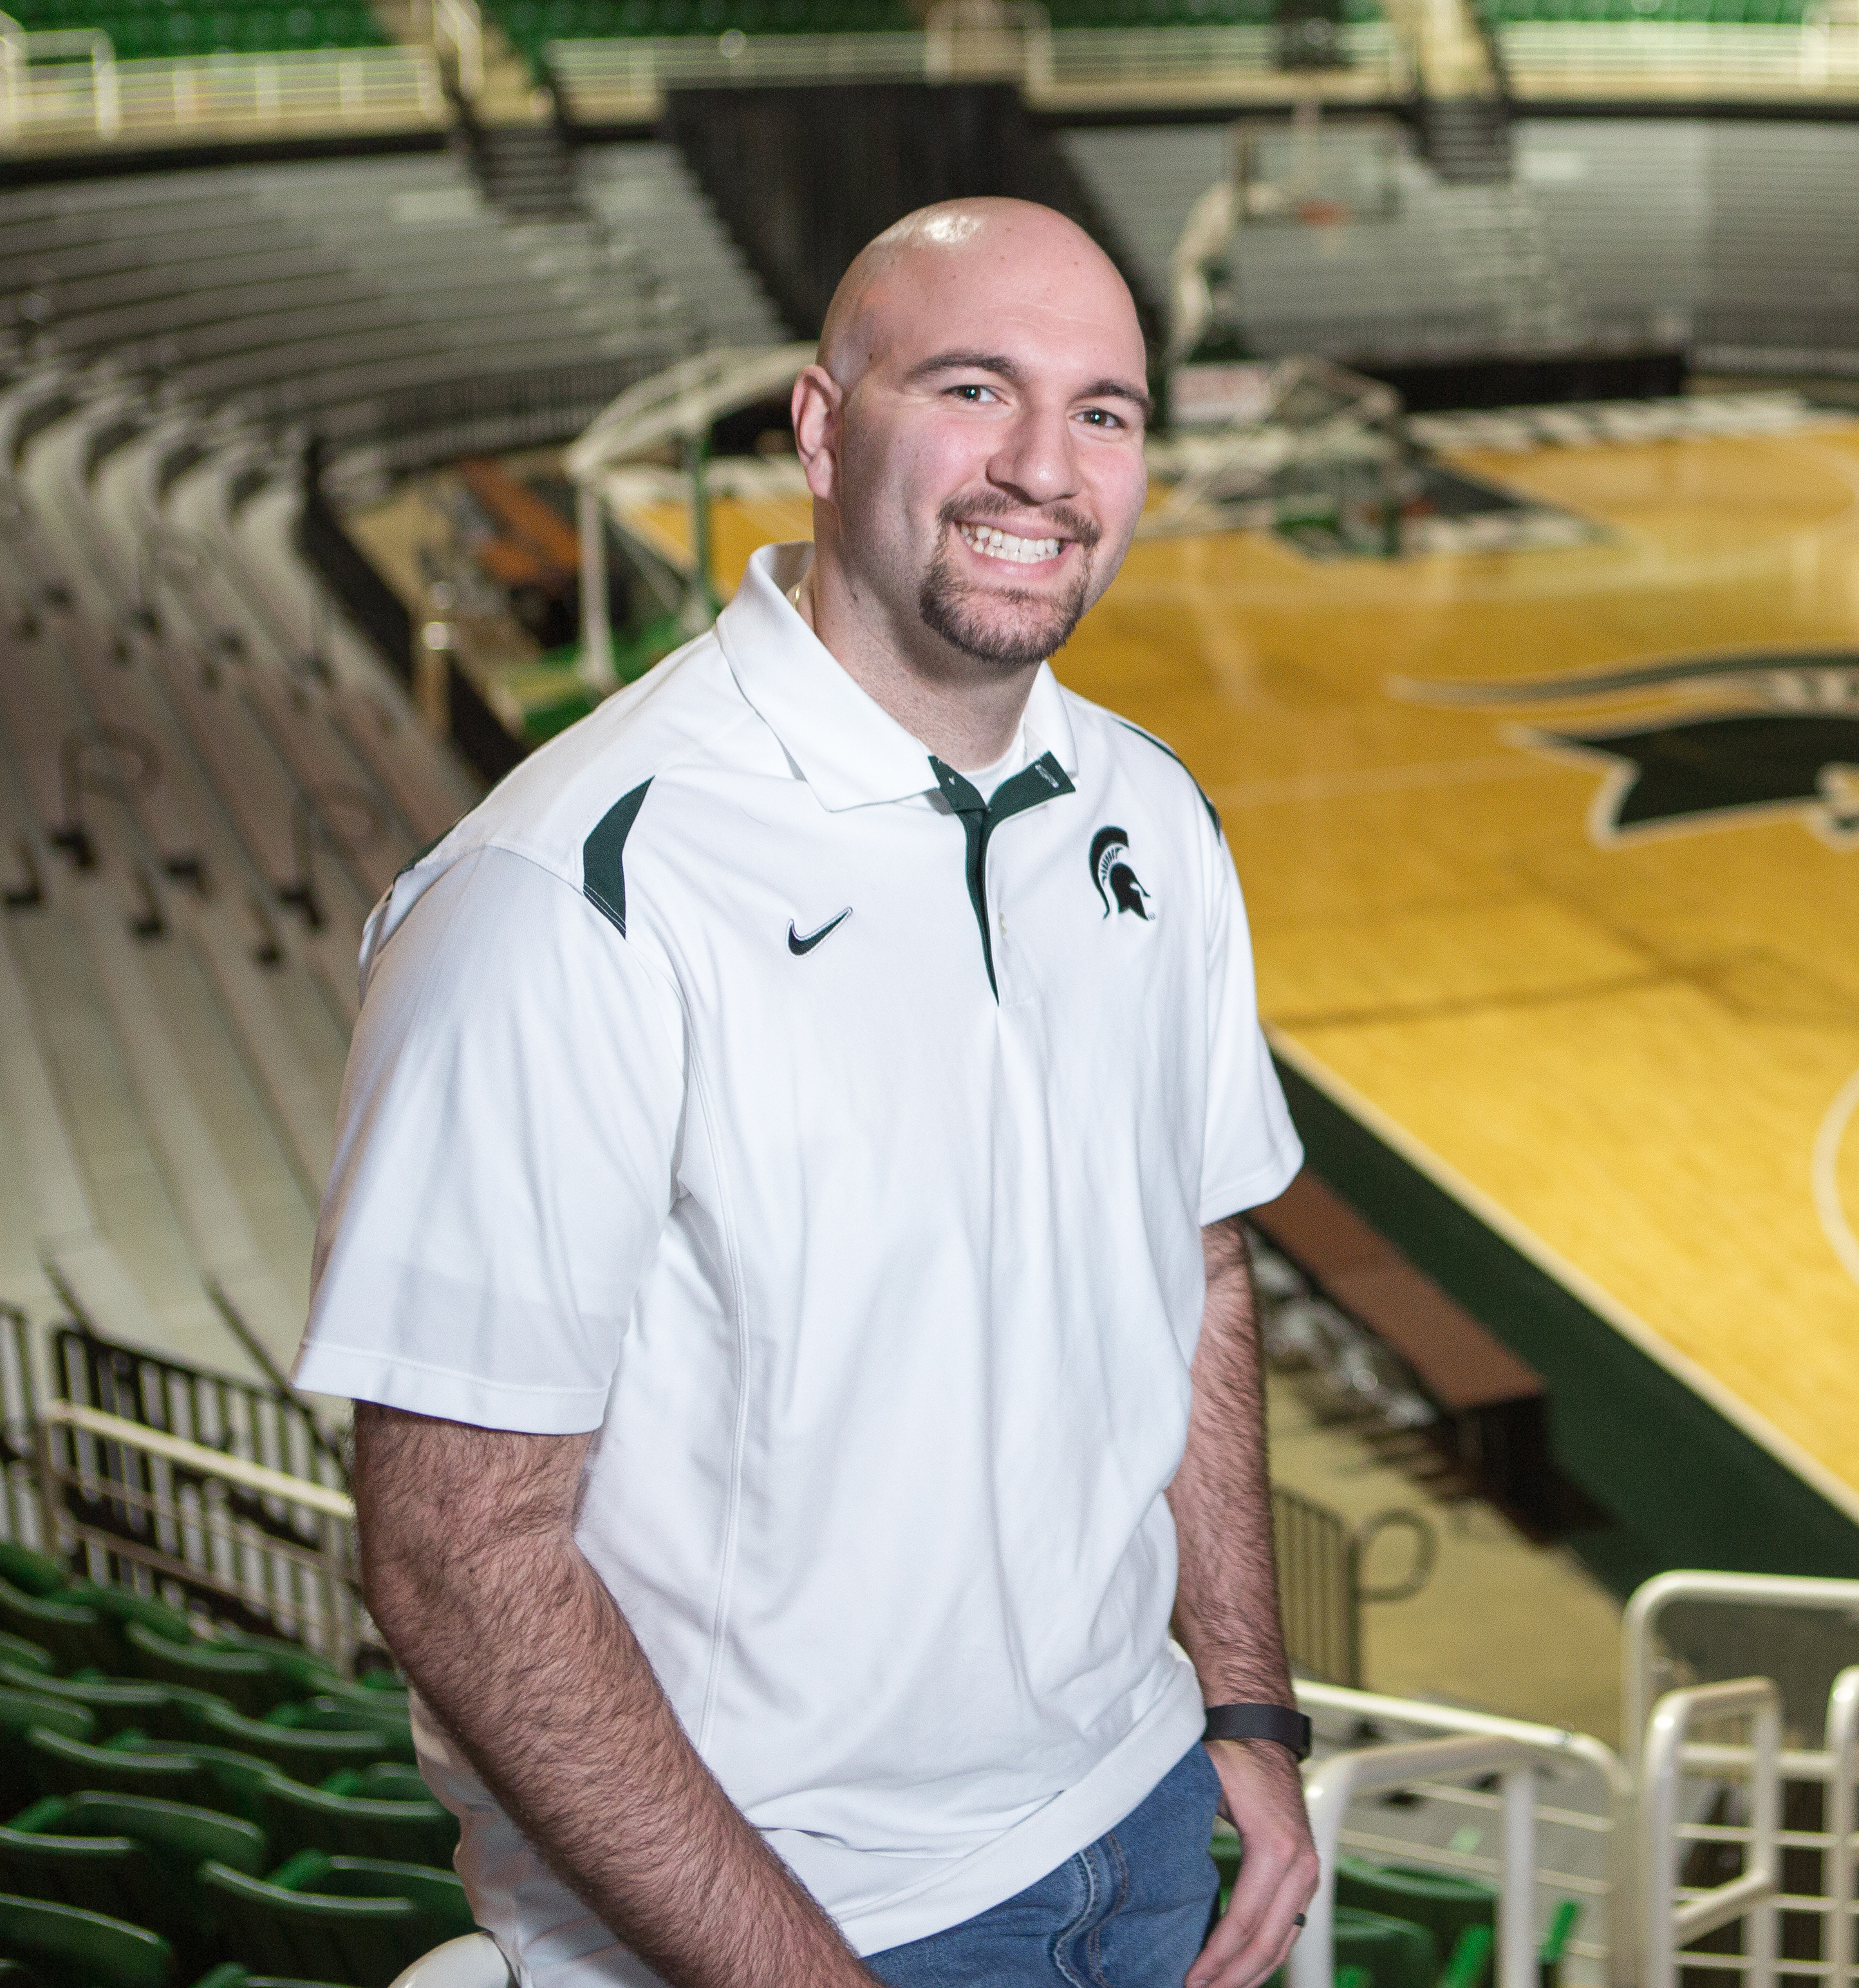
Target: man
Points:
(781, 1242)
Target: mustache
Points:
(1066, 521)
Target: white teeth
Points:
(991, 541)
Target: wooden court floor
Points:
(1609, 994)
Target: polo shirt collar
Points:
(850, 750)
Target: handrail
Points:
(456, 24)
(279, 88)
(1333, 1783)
(1051, 65)
(1640, 1624)
(197, 1456)
(1668, 1924)
(1843, 1745)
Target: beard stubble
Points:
(1011, 629)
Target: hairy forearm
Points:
(470, 1570)
(1226, 1597)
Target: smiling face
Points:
(976, 443)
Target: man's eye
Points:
(1100, 417)
(972, 392)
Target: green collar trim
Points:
(1042, 781)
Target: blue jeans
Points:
(1129, 1911)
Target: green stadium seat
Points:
(1446, 1904)
(233, 1782)
(76, 1636)
(244, 1679)
(111, 1874)
(1394, 1953)
(1471, 1958)
(286, 1930)
(230, 1974)
(123, 1606)
(20, 1714)
(397, 1828)
(34, 1658)
(306, 1753)
(181, 1837)
(61, 1840)
(115, 1703)
(307, 1672)
(385, 1780)
(67, 1948)
(59, 1766)
(438, 1895)
(353, 1711)
(35, 1573)
(1551, 1954)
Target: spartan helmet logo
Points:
(1118, 888)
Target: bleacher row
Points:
(331, 293)
(180, 1807)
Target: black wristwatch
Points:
(1280, 1723)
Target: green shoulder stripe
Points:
(604, 854)
(1213, 813)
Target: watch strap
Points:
(1289, 1728)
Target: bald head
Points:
(964, 257)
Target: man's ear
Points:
(816, 407)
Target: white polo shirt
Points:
(733, 1083)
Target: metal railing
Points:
(1674, 1915)
(1648, 1668)
(1321, 1560)
(1522, 1759)
(1582, 1805)
(1680, 59)
(18, 1489)
(272, 1550)
(45, 97)
(1054, 67)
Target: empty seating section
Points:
(178, 963)
(1732, 237)
(151, 1832)
(140, 29)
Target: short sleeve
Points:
(506, 1156)
(1251, 1152)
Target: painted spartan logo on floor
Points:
(1729, 738)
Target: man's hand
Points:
(1263, 1798)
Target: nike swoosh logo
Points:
(797, 945)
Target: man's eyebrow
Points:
(997, 362)
(1119, 390)
(1004, 368)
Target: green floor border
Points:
(1683, 1485)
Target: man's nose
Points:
(1037, 461)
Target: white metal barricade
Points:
(1673, 1916)
(1336, 1782)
